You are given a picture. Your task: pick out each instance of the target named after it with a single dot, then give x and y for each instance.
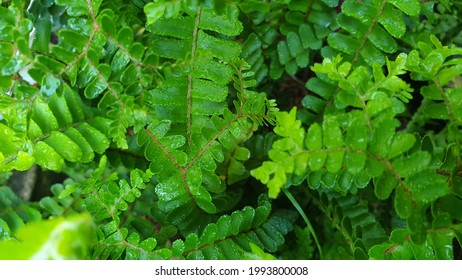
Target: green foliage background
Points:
(202, 129)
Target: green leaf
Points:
(379, 252)
(97, 140)
(23, 161)
(452, 205)
(313, 140)
(84, 146)
(294, 44)
(442, 243)
(403, 203)
(401, 143)
(62, 144)
(412, 164)
(343, 43)
(220, 23)
(418, 232)
(384, 127)
(426, 187)
(47, 157)
(392, 21)
(308, 37)
(181, 27)
(356, 137)
(436, 111)
(333, 139)
(95, 88)
(442, 237)
(44, 117)
(410, 7)
(71, 39)
(202, 197)
(379, 102)
(42, 38)
(332, 134)
(241, 153)
(60, 109)
(385, 184)
(221, 49)
(276, 183)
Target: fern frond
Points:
(231, 236)
(298, 27)
(61, 129)
(351, 216)
(294, 53)
(107, 200)
(186, 145)
(367, 34)
(371, 28)
(356, 142)
(252, 53)
(433, 64)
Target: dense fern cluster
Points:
(258, 129)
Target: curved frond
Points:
(231, 236)
(60, 128)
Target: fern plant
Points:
(158, 115)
